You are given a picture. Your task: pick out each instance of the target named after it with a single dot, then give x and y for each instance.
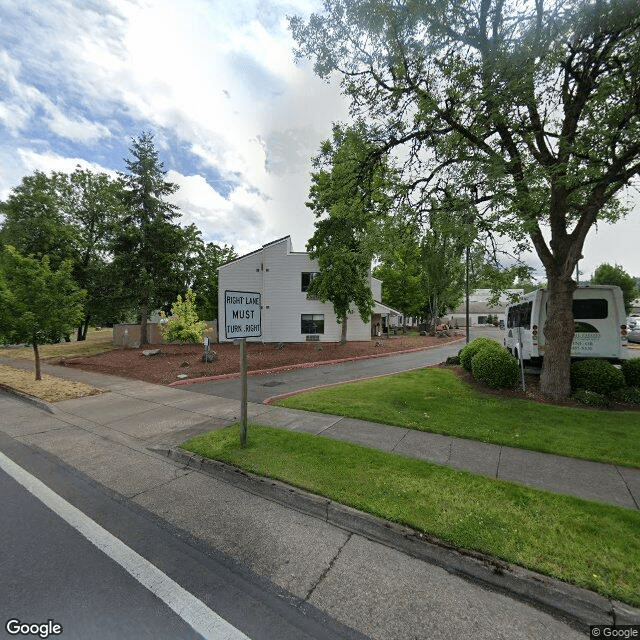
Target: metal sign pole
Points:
(243, 405)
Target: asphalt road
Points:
(51, 568)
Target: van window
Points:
(590, 309)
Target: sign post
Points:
(242, 321)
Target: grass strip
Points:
(586, 543)
(436, 400)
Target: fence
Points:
(127, 336)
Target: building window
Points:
(312, 323)
(307, 277)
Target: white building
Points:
(480, 308)
(281, 276)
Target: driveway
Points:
(262, 387)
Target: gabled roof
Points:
(262, 248)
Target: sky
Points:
(236, 120)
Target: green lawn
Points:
(586, 543)
(435, 399)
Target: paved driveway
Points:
(261, 387)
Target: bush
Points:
(631, 372)
(591, 398)
(497, 368)
(453, 360)
(469, 351)
(627, 395)
(183, 325)
(596, 375)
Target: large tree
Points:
(70, 217)
(38, 304)
(150, 247)
(531, 108)
(349, 199)
(93, 204)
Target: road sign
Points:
(242, 314)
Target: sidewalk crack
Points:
(628, 488)
(499, 460)
(404, 435)
(324, 574)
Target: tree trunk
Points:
(343, 336)
(144, 312)
(37, 359)
(558, 332)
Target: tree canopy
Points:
(616, 275)
(150, 245)
(38, 304)
(349, 199)
(528, 111)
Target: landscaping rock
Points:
(151, 352)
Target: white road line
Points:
(193, 611)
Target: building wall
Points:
(275, 271)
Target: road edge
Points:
(576, 604)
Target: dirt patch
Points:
(177, 360)
(50, 388)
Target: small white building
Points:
(480, 308)
(281, 276)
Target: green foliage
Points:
(616, 275)
(518, 113)
(453, 360)
(596, 375)
(497, 368)
(627, 395)
(591, 398)
(348, 196)
(631, 372)
(150, 247)
(468, 351)
(205, 277)
(183, 325)
(37, 304)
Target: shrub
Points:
(591, 398)
(631, 372)
(183, 325)
(596, 375)
(628, 395)
(469, 351)
(453, 360)
(497, 368)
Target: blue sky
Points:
(236, 121)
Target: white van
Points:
(599, 319)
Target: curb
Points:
(42, 404)
(304, 365)
(580, 606)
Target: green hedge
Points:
(497, 368)
(596, 375)
(631, 372)
(469, 351)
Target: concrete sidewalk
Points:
(380, 587)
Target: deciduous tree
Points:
(616, 275)
(532, 109)
(38, 304)
(349, 198)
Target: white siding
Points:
(276, 273)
